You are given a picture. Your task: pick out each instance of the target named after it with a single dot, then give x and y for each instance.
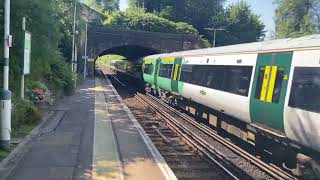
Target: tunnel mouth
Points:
(130, 52)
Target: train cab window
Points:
(305, 90)
(148, 69)
(165, 70)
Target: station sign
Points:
(27, 53)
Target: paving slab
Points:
(60, 149)
(92, 135)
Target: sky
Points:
(264, 8)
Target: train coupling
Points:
(306, 167)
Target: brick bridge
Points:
(131, 44)
(134, 44)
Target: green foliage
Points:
(103, 5)
(108, 58)
(24, 113)
(295, 18)
(241, 24)
(50, 23)
(138, 19)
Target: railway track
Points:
(178, 137)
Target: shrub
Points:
(138, 19)
(24, 112)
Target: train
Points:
(129, 68)
(265, 93)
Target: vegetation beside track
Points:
(108, 58)
(50, 23)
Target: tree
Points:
(296, 18)
(138, 19)
(241, 24)
(193, 12)
(104, 5)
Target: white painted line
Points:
(162, 164)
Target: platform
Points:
(91, 135)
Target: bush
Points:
(138, 19)
(60, 78)
(24, 112)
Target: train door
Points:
(155, 72)
(269, 89)
(175, 76)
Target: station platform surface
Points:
(91, 135)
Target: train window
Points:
(148, 68)
(214, 77)
(237, 80)
(269, 83)
(278, 85)
(232, 79)
(305, 90)
(165, 70)
(185, 74)
(259, 82)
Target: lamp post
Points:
(6, 94)
(214, 34)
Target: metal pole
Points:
(214, 38)
(75, 65)
(85, 53)
(22, 69)
(73, 35)
(6, 94)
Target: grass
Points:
(23, 130)
(108, 58)
(5, 153)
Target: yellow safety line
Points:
(176, 70)
(272, 83)
(264, 87)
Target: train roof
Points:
(306, 42)
(156, 56)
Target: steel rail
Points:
(274, 172)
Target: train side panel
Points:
(229, 103)
(302, 109)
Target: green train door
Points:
(155, 72)
(175, 76)
(269, 89)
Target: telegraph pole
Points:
(214, 34)
(22, 70)
(85, 53)
(73, 35)
(6, 94)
